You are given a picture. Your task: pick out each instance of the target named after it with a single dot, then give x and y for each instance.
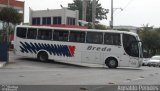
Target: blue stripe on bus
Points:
(59, 50)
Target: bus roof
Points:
(75, 29)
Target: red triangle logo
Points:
(72, 50)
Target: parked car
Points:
(145, 61)
(154, 61)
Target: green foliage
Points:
(150, 38)
(97, 26)
(158, 30)
(10, 15)
(100, 26)
(90, 25)
(100, 12)
(9, 18)
(76, 5)
(123, 30)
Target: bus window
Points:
(112, 39)
(130, 45)
(60, 35)
(45, 34)
(94, 37)
(32, 33)
(76, 36)
(21, 32)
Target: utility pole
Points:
(93, 12)
(111, 22)
(84, 9)
(8, 4)
(7, 28)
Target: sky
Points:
(134, 13)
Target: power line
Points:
(129, 2)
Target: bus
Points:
(106, 47)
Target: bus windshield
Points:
(131, 44)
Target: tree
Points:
(123, 30)
(100, 26)
(100, 12)
(9, 16)
(150, 39)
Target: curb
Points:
(2, 64)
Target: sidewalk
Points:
(2, 64)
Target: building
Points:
(55, 18)
(18, 5)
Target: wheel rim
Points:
(112, 63)
(42, 57)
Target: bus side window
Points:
(94, 37)
(55, 35)
(72, 37)
(45, 34)
(21, 32)
(60, 35)
(32, 33)
(77, 36)
(112, 39)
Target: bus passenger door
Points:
(127, 60)
(133, 62)
(124, 60)
(134, 55)
(131, 49)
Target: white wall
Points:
(64, 13)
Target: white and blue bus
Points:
(107, 47)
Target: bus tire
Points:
(42, 56)
(111, 62)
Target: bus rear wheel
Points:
(42, 56)
(111, 63)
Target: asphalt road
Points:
(22, 71)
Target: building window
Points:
(36, 21)
(71, 21)
(46, 20)
(57, 20)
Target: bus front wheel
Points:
(111, 63)
(42, 56)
